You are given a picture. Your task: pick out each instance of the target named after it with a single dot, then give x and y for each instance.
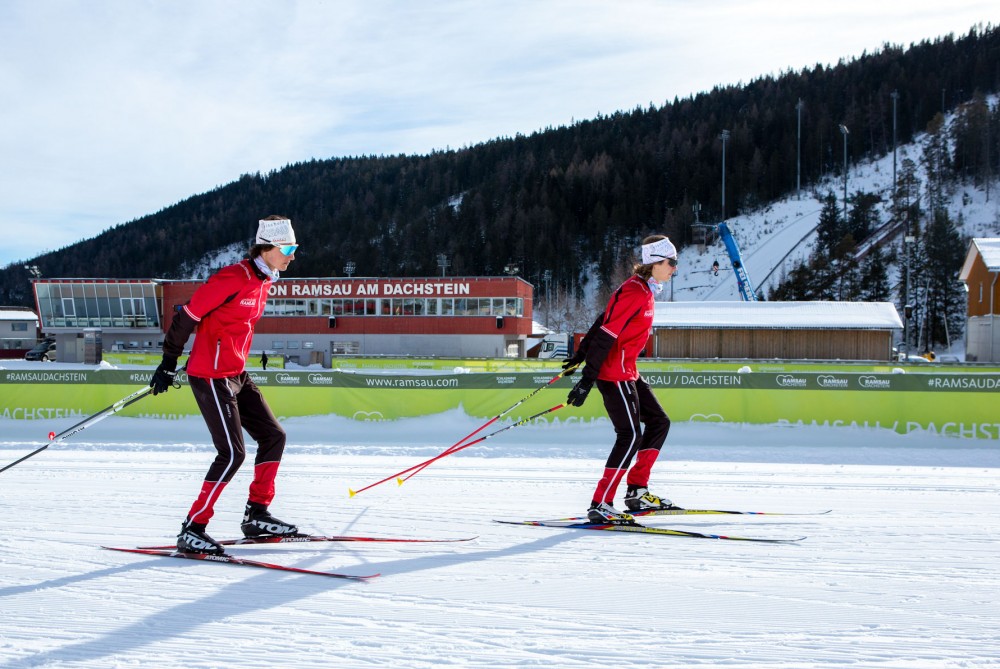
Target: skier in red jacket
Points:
(610, 351)
(224, 310)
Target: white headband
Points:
(277, 232)
(656, 251)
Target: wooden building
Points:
(775, 330)
(979, 273)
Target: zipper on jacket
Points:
(218, 350)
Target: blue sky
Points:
(114, 109)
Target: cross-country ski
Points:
(314, 538)
(678, 511)
(636, 528)
(234, 560)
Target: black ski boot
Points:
(258, 522)
(194, 539)
(638, 498)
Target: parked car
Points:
(44, 350)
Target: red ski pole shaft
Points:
(456, 449)
(409, 469)
(491, 434)
(458, 443)
(524, 399)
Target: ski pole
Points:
(418, 468)
(456, 449)
(90, 420)
(482, 427)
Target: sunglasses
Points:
(670, 261)
(287, 250)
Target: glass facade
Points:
(397, 306)
(98, 305)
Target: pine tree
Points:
(875, 278)
(938, 164)
(863, 218)
(831, 226)
(944, 302)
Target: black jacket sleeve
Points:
(597, 351)
(181, 328)
(581, 351)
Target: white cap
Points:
(656, 251)
(275, 231)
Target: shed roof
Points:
(17, 315)
(774, 315)
(988, 248)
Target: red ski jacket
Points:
(224, 310)
(628, 320)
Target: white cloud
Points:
(115, 109)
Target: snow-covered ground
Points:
(903, 573)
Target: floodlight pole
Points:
(798, 153)
(724, 137)
(845, 132)
(895, 98)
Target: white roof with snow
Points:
(786, 315)
(17, 315)
(539, 330)
(988, 248)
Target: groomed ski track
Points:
(902, 573)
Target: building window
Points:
(134, 311)
(408, 306)
(345, 348)
(19, 327)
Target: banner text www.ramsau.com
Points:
(411, 383)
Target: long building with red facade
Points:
(307, 321)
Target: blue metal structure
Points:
(747, 291)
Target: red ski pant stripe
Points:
(229, 406)
(638, 475)
(630, 405)
(622, 406)
(262, 487)
(204, 507)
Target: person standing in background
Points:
(225, 310)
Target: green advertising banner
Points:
(956, 404)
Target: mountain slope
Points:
(570, 200)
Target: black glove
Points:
(578, 395)
(571, 363)
(164, 375)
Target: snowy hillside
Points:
(776, 238)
